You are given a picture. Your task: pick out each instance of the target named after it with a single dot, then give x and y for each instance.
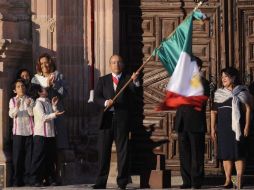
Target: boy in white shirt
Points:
(44, 151)
(21, 111)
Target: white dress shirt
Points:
(44, 118)
(136, 83)
(23, 116)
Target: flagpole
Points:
(148, 59)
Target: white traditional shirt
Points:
(23, 116)
(44, 118)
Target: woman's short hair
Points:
(232, 73)
(21, 71)
(52, 64)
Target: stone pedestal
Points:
(158, 178)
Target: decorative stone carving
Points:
(40, 22)
(51, 24)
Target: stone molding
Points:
(14, 12)
(43, 21)
(106, 33)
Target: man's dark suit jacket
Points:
(191, 120)
(105, 91)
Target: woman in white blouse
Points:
(48, 77)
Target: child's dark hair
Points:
(21, 71)
(35, 89)
(15, 82)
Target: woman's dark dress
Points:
(228, 147)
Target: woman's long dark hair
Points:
(52, 64)
(232, 73)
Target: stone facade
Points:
(15, 52)
(61, 28)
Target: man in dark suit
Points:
(191, 128)
(114, 124)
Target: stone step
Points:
(177, 180)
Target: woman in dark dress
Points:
(230, 123)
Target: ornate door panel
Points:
(244, 54)
(244, 33)
(144, 24)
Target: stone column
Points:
(106, 33)
(58, 28)
(106, 44)
(62, 27)
(43, 27)
(15, 52)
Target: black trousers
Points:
(44, 159)
(119, 134)
(191, 149)
(22, 157)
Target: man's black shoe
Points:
(37, 184)
(18, 184)
(185, 186)
(121, 187)
(98, 187)
(196, 187)
(50, 182)
(53, 183)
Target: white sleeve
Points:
(54, 107)
(136, 83)
(39, 112)
(13, 111)
(106, 103)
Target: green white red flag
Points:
(175, 53)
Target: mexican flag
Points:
(175, 53)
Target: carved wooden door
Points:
(242, 53)
(144, 24)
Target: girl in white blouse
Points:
(21, 111)
(44, 151)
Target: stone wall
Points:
(62, 27)
(15, 52)
(59, 27)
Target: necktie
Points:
(115, 80)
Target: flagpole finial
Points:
(199, 4)
(203, 1)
